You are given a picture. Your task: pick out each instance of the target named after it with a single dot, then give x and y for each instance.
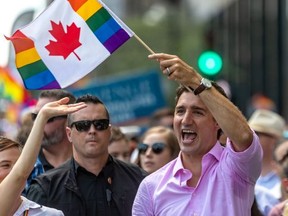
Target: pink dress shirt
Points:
(226, 185)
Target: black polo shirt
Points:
(96, 190)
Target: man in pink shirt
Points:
(206, 178)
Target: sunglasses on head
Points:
(157, 148)
(85, 125)
(34, 115)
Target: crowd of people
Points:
(204, 158)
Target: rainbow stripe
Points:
(34, 72)
(9, 88)
(101, 23)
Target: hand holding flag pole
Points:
(152, 52)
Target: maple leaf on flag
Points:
(66, 42)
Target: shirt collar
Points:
(77, 166)
(28, 204)
(215, 152)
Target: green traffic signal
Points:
(210, 63)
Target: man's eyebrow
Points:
(194, 107)
(197, 107)
(5, 161)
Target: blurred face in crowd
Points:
(89, 141)
(268, 143)
(54, 131)
(194, 125)
(8, 158)
(120, 149)
(154, 152)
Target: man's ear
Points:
(68, 133)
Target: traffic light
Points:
(210, 63)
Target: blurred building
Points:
(251, 36)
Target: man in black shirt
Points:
(92, 182)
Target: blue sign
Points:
(128, 98)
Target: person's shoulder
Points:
(126, 165)
(264, 193)
(55, 172)
(35, 209)
(50, 211)
(44, 210)
(165, 171)
(129, 167)
(159, 177)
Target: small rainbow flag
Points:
(66, 42)
(9, 88)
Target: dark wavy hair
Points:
(57, 94)
(181, 89)
(88, 98)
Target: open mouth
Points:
(188, 135)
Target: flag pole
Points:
(144, 44)
(152, 52)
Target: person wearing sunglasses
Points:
(55, 147)
(92, 182)
(16, 163)
(206, 179)
(158, 147)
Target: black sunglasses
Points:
(157, 148)
(34, 115)
(84, 125)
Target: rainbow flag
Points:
(9, 88)
(66, 42)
